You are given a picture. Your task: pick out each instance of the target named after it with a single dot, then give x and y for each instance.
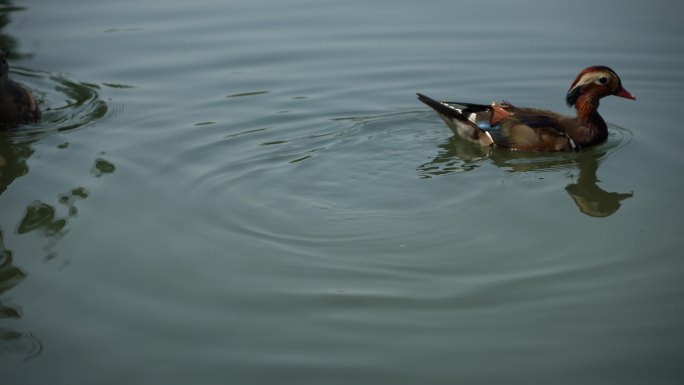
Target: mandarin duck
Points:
(532, 129)
(17, 104)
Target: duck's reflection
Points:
(458, 156)
(12, 166)
(12, 342)
(588, 196)
(39, 217)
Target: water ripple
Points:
(67, 104)
(319, 172)
(16, 343)
(308, 171)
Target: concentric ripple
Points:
(66, 104)
(284, 183)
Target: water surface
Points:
(249, 192)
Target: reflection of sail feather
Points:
(10, 275)
(13, 342)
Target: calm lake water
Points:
(248, 192)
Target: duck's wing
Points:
(533, 130)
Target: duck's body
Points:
(533, 129)
(17, 104)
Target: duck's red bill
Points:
(623, 93)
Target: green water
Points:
(248, 192)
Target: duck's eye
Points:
(602, 80)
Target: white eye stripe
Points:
(595, 77)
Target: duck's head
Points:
(594, 83)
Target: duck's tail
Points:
(457, 117)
